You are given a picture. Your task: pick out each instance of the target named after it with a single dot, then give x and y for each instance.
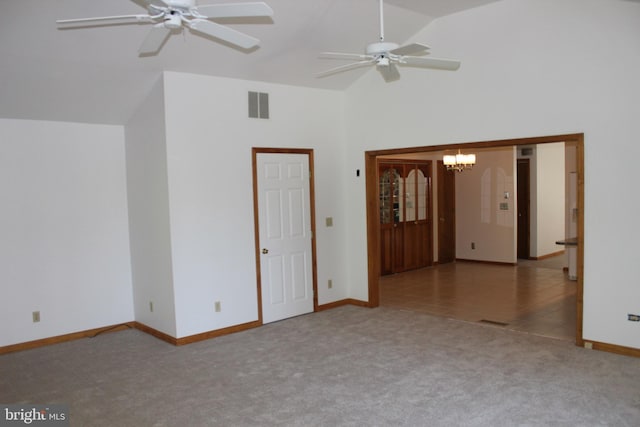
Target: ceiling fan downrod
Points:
(381, 22)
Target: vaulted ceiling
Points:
(95, 74)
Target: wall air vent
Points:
(526, 151)
(258, 105)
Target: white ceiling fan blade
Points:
(223, 33)
(226, 10)
(411, 49)
(389, 72)
(155, 39)
(122, 19)
(347, 67)
(440, 64)
(339, 55)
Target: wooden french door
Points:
(406, 226)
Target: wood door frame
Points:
(371, 175)
(256, 218)
(441, 173)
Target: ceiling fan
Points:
(171, 15)
(385, 56)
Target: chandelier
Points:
(459, 162)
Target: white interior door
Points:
(284, 211)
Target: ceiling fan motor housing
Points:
(380, 51)
(180, 4)
(380, 48)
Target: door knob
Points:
(265, 250)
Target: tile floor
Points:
(534, 296)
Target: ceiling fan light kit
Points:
(173, 15)
(386, 56)
(173, 22)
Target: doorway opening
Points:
(524, 205)
(373, 237)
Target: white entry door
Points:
(284, 222)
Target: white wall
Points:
(529, 68)
(148, 195)
(550, 199)
(209, 141)
(480, 192)
(548, 196)
(64, 249)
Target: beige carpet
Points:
(349, 366)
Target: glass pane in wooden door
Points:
(398, 198)
(422, 185)
(411, 195)
(385, 197)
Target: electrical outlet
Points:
(633, 317)
(217, 306)
(36, 316)
(151, 306)
(329, 221)
(330, 284)
(473, 245)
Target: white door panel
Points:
(284, 225)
